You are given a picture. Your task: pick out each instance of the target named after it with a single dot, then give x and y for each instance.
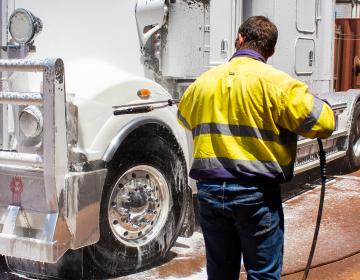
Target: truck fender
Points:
(350, 97)
(345, 120)
(125, 131)
(354, 97)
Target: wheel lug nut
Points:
(115, 222)
(140, 233)
(126, 233)
(147, 176)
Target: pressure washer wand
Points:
(322, 157)
(144, 107)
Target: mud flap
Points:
(70, 266)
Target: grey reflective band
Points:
(237, 131)
(182, 119)
(255, 166)
(312, 118)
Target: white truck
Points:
(75, 179)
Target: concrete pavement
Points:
(339, 231)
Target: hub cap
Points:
(138, 205)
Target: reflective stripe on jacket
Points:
(244, 116)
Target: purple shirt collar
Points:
(249, 53)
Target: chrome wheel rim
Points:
(138, 206)
(356, 142)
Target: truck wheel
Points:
(354, 139)
(142, 206)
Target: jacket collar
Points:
(249, 53)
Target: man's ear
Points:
(241, 40)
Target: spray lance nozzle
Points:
(144, 107)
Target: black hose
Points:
(322, 156)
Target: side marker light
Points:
(144, 93)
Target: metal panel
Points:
(23, 159)
(20, 98)
(222, 31)
(82, 211)
(32, 197)
(34, 233)
(324, 49)
(10, 221)
(55, 146)
(304, 56)
(22, 65)
(183, 56)
(306, 15)
(3, 42)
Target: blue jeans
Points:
(241, 220)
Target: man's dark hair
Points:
(259, 34)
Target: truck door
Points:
(224, 21)
(305, 43)
(313, 46)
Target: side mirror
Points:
(150, 17)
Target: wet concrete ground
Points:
(347, 269)
(338, 243)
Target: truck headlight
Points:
(24, 26)
(31, 122)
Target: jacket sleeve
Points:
(185, 108)
(304, 114)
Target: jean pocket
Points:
(258, 221)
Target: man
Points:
(245, 116)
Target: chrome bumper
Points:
(29, 231)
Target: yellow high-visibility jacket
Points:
(244, 116)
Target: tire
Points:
(142, 206)
(354, 139)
